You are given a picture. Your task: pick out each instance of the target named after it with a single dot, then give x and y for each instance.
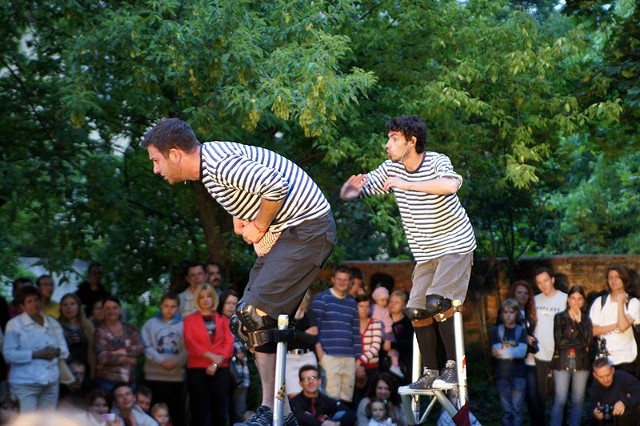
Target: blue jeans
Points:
(511, 392)
(578, 381)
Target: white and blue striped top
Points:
(435, 225)
(238, 176)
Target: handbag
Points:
(66, 376)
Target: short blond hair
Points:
(206, 287)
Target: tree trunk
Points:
(215, 222)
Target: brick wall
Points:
(482, 306)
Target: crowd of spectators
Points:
(352, 351)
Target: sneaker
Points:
(448, 378)
(426, 380)
(290, 420)
(262, 417)
(394, 369)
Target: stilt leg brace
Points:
(418, 321)
(255, 329)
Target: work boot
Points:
(426, 380)
(449, 377)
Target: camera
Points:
(607, 411)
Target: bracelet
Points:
(260, 230)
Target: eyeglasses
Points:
(310, 379)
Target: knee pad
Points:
(252, 321)
(416, 313)
(251, 327)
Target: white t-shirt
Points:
(546, 308)
(621, 346)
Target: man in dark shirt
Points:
(615, 395)
(313, 408)
(92, 290)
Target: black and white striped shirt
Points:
(238, 176)
(435, 225)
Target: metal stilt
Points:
(411, 397)
(279, 392)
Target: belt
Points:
(299, 351)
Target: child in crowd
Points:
(377, 411)
(160, 412)
(509, 347)
(381, 313)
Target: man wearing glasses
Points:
(313, 408)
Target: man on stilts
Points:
(439, 233)
(276, 207)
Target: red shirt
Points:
(197, 341)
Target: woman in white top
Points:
(613, 315)
(33, 344)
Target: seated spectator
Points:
(33, 345)
(125, 407)
(9, 407)
(78, 331)
(313, 408)
(166, 356)
(160, 413)
(46, 286)
(209, 343)
(385, 387)
(99, 402)
(81, 385)
(144, 396)
(117, 347)
(614, 395)
(378, 413)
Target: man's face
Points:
(341, 281)
(398, 146)
(196, 276)
(604, 375)
(124, 398)
(168, 308)
(78, 371)
(545, 283)
(46, 287)
(168, 167)
(144, 402)
(310, 382)
(95, 274)
(213, 271)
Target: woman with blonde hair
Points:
(78, 331)
(209, 344)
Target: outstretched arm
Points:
(353, 187)
(439, 186)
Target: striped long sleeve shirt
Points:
(435, 225)
(338, 324)
(238, 176)
(371, 342)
